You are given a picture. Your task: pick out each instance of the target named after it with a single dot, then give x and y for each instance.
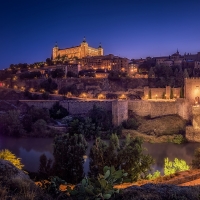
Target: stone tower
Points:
(84, 48)
(55, 51)
(100, 50)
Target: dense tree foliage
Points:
(58, 73)
(14, 123)
(30, 75)
(49, 85)
(58, 111)
(85, 127)
(45, 167)
(101, 118)
(128, 156)
(68, 155)
(11, 124)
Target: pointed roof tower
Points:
(100, 45)
(84, 40)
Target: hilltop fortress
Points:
(80, 51)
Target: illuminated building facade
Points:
(107, 62)
(79, 52)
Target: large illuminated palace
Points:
(80, 51)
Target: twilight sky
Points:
(127, 28)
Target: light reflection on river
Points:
(30, 150)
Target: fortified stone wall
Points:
(82, 107)
(73, 106)
(161, 93)
(119, 111)
(119, 108)
(40, 103)
(140, 107)
(160, 108)
(192, 89)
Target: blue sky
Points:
(127, 28)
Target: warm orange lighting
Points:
(101, 96)
(22, 88)
(83, 95)
(123, 96)
(31, 90)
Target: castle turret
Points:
(84, 48)
(55, 51)
(100, 50)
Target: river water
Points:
(30, 150)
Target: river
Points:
(30, 150)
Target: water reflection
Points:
(172, 151)
(30, 150)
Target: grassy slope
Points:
(162, 129)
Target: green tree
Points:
(44, 167)
(12, 125)
(68, 157)
(171, 167)
(133, 160)
(101, 118)
(8, 155)
(88, 129)
(39, 126)
(58, 111)
(100, 155)
(131, 123)
(128, 156)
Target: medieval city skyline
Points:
(131, 29)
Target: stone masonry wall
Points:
(140, 107)
(119, 108)
(82, 107)
(160, 108)
(119, 111)
(73, 106)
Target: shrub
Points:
(153, 176)
(39, 126)
(171, 167)
(100, 188)
(130, 124)
(8, 155)
(58, 111)
(178, 139)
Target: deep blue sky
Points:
(128, 28)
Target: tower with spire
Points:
(55, 51)
(100, 50)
